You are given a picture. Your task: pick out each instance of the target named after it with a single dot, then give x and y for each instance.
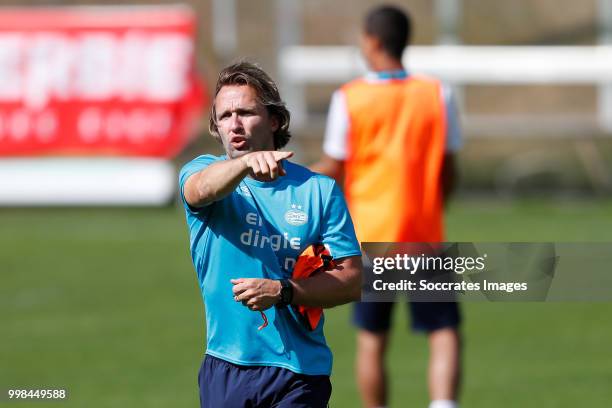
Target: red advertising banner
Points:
(114, 81)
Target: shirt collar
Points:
(386, 75)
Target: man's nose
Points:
(235, 121)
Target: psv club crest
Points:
(295, 216)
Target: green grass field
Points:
(105, 303)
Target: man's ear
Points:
(369, 44)
(274, 123)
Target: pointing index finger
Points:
(282, 155)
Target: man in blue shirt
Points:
(250, 214)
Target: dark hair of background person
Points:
(391, 26)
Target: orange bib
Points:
(396, 143)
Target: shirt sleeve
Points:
(454, 140)
(334, 143)
(337, 231)
(194, 166)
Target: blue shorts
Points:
(223, 384)
(425, 316)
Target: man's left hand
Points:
(256, 294)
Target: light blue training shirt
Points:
(258, 231)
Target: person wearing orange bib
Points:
(392, 136)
